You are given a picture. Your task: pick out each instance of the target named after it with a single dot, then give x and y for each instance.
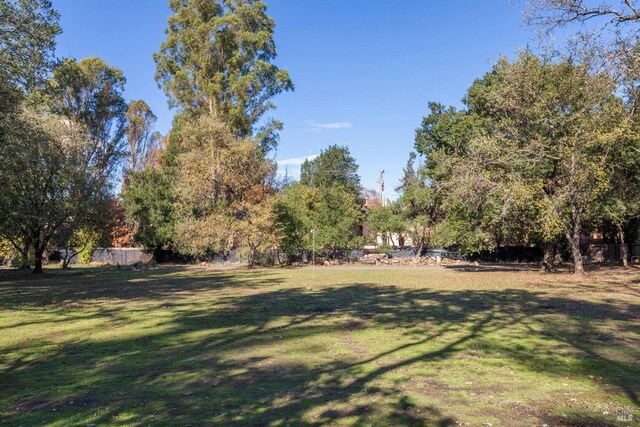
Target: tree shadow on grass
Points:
(62, 289)
(200, 355)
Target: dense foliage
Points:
(217, 59)
(531, 159)
(544, 150)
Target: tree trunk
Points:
(573, 237)
(574, 241)
(578, 268)
(419, 252)
(624, 248)
(252, 254)
(66, 260)
(156, 253)
(547, 258)
(25, 252)
(39, 246)
(39, 251)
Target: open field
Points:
(352, 347)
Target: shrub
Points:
(385, 249)
(91, 240)
(6, 251)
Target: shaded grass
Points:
(352, 347)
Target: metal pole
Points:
(381, 181)
(313, 233)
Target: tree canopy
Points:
(217, 58)
(28, 29)
(89, 95)
(334, 166)
(529, 157)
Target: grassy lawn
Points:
(353, 347)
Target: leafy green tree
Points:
(217, 59)
(561, 124)
(28, 29)
(418, 205)
(216, 66)
(386, 221)
(90, 239)
(148, 203)
(620, 203)
(610, 42)
(223, 185)
(7, 251)
(326, 200)
(333, 167)
(335, 217)
(78, 240)
(89, 94)
(449, 182)
(409, 175)
(294, 222)
(254, 234)
(47, 191)
(541, 158)
(445, 132)
(331, 213)
(139, 134)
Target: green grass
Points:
(352, 347)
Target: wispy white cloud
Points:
(296, 161)
(319, 127)
(291, 167)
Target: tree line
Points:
(64, 131)
(544, 150)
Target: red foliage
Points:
(118, 233)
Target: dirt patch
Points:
(429, 387)
(34, 405)
(84, 402)
(580, 421)
(350, 343)
(147, 376)
(355, 324)
(347, 412)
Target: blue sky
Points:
(364, 70)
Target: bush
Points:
(85, 255)
(91, 240)
(16, 260)
(385, 249)
(10, 256)
(6, 250)
(54, 257)
(152, 263)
